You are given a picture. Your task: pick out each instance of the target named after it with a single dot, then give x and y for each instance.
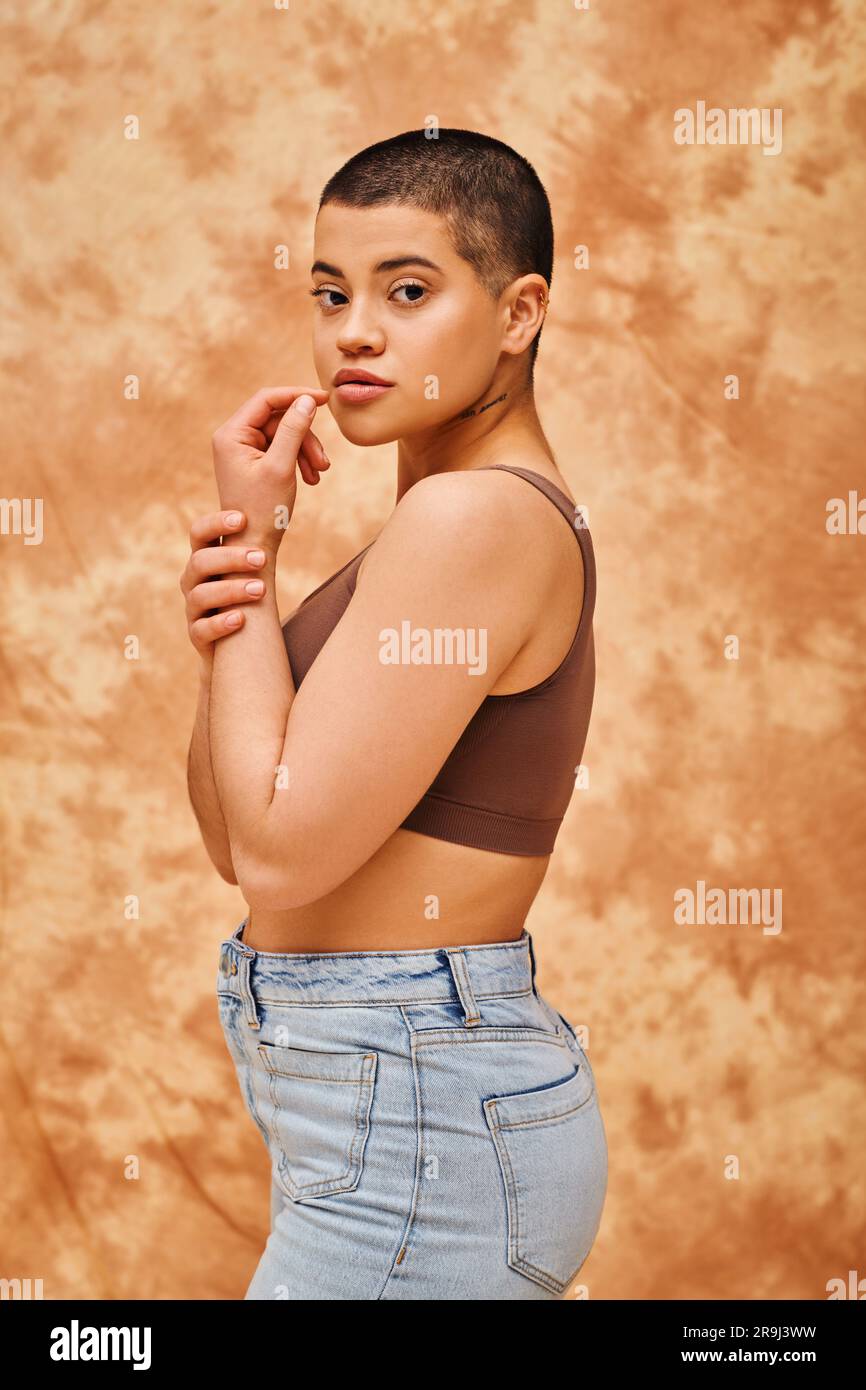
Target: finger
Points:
(315, 456)
(206, 630)
(312, 458)
(223, 559)
(221, 593)
(206, 530)
(307, 464)
(316, 451)
(291, 434)
(254, 414)
(306, 471)
(270, 429)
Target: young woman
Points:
(384, 774)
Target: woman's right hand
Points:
(212, 609)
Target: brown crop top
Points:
(508, 780)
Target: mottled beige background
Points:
(154, 257)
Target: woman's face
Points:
(424, 324)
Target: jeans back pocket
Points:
(318, 1117)
(552, 1152)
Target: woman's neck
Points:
(491, 431)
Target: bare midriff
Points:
(414, 893)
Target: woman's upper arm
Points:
(366, 735)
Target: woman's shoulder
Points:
(449, 488)
(478, 525)
(483, 504)
(542, 468)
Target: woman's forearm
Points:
(202, 788)
(250, 698)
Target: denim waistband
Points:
(433, 975)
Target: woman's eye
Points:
(317, 294)
(411, 285)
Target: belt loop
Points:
(237, 938)
(532, 959)
(246, 957)
(246, 992)
(460, 973)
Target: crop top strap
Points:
(556, 495)
(580, 529)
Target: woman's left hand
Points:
(255, 456)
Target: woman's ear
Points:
(527, 306)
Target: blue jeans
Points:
(432, 1122)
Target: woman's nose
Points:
(359, 328)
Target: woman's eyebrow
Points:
(394, 264)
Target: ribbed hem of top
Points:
(481, 829)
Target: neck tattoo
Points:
(465, 414)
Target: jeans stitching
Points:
(486, 1033)
(404, 1238)
(356, 1003)
(327, 1186)
(513, 1210)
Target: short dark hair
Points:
(491, 197)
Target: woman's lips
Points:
(356, 392)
